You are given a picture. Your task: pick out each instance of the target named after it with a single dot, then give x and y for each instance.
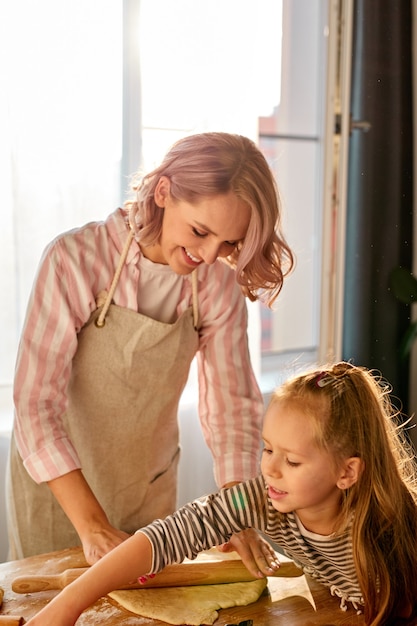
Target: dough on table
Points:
(193, 605)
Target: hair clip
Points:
(323, 379)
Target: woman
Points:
(117, 312)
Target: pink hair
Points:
(215, 163)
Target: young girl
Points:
(337, 493)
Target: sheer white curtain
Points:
(60, 149)
(61, 139)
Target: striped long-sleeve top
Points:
(74, 269)
(212, 520)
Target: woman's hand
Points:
(90, 521)
(257, 554)
(98, 542)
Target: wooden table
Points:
(294, 611)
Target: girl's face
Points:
(300, 476)
(200, 232)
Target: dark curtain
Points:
(380, 189)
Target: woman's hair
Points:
(353, 416)
(210, 164)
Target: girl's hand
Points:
(42, 619)
(54, 614)
(144, 579)
(256, 553)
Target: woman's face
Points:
(198, 232)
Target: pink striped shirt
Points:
(74, 268)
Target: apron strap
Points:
(101, 320)
(195, 298)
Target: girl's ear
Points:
(351, 470)
(162, 191)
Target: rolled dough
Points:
(192, 605)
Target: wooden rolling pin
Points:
(180, 575)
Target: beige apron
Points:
(127, 378)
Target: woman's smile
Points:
(195, 260)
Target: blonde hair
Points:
(215, 163)
(353, 415)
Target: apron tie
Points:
(195, 298)
(101, 320)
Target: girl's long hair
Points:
(354, 416)
(209, 164)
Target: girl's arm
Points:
(197, 526)
(131, 559)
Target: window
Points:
(60, 123)
(255, 68)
